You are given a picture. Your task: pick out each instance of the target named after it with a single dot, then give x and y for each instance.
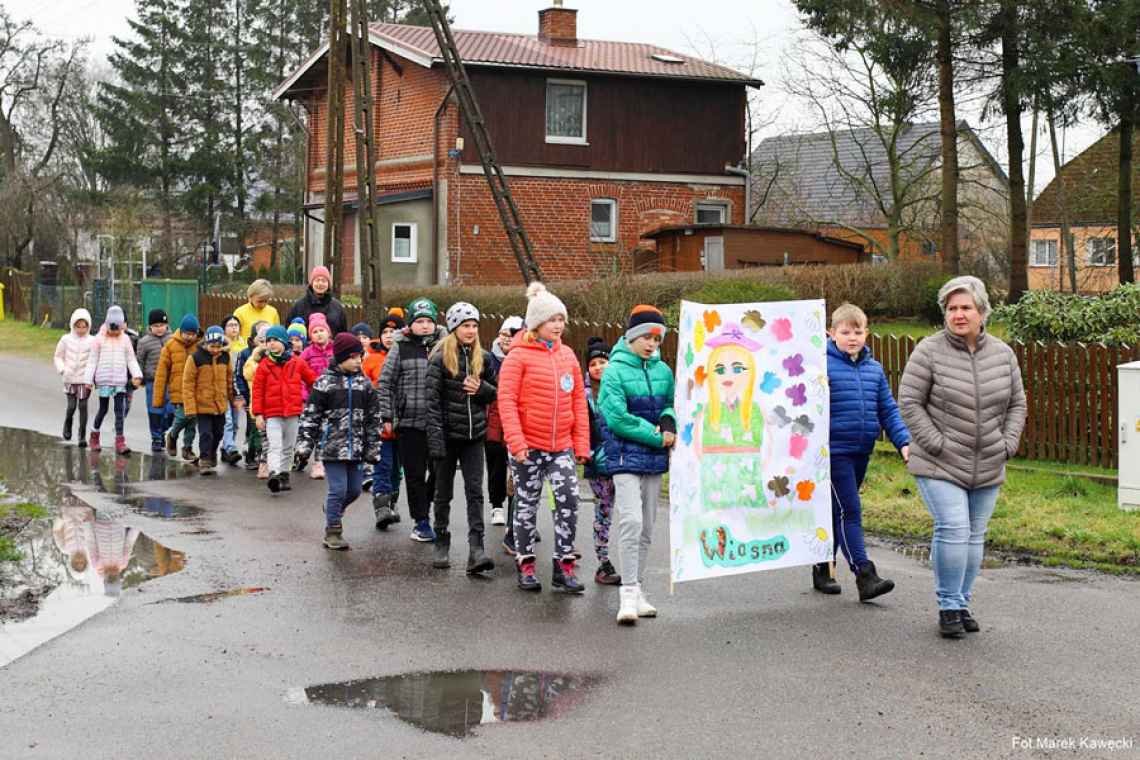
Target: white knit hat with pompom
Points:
(543, 306)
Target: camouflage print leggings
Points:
(603, 489)
(562, 472)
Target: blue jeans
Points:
(960, 519)
(229, 433)
(386, 472)
(344, 480)
(160, 418)
(847, 473)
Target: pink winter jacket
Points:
(73, 352)
(112, 362)
(318, 360)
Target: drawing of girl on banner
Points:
(733, 449)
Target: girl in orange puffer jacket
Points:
(546, 426)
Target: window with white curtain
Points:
(404, 243)
(1101, 252)
(603, 220)
(1043, 253)
(566, 111)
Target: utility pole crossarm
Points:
(496, 179)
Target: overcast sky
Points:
(731, 27)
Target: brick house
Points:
(1091, 192)
(837, 183)
(602, 143)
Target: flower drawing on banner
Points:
(699, 375)
(770, 383)
(805, 489)
(798, 394)
(712, 320)
(794, 365)
(797, 446)
(817, 543)
(782, 329)
(753, 321)
(687, 434)
(780, 417)
(689, 356)
(803, 425)
(779, 486)
(699, 335)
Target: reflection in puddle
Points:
(89, 557)
(162, 507)
(454, 703)
(921, 553)
(214, 596)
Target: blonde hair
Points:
(848, 314)
(263, 288)
(448, 348)
(714, 397)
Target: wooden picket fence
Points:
(1071, 389)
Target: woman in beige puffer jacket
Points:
(962, 399)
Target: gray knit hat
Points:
(543, 306)
(459, 313)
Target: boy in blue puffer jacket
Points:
(639, 426)
(861, 406)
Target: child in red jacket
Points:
(542, 403)
(277, 402)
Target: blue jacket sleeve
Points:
(889, 417)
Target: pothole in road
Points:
(456, 702)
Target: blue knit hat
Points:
(189, 324)
(277, 332)
(215, 334)
(297, 330)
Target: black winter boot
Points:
(477, 560)
(870, 584)
(283, 482)
(67, 429)
(382, 507)
(950, 624)
(563, 577)
(440, 558)
(822, 581)
(968, 622)
(527, 580)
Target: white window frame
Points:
(1090, 244)
(558, 139)
(710, 205)
(613, 236)
(414, 243)
(1050, 248)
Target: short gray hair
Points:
(970, 285)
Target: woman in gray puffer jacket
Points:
(962, 399)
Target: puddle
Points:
(990, 561)
(161, 507)
(214, 596)
(456, 702)
(87, 558)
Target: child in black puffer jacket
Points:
(344, 403)
(460, 387)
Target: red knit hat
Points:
(320, 272)
(345, 346)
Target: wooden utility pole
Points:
(365, 130)
(334, 147)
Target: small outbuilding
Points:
(716, 247)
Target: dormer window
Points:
(566, 111)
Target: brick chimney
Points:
(558, 25)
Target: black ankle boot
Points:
(478, 561)
(869, 583)
(968, 622)
(283, 481)
(950, 624)
(440, 557)
(382, 508)
(563, 577)
(822, 581)
(67, 430)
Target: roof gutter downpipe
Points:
(739, 172)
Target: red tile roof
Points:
(503, 49)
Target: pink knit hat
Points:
(319, 272)
(316, 320)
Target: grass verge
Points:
(1054, 518)
(13, 519)
(17, 337)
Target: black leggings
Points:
(418, 472)
(120, 412)
(74, 401)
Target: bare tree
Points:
(34, 76)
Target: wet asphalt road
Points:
(753, 666)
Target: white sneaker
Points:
(627, 614)
(644, 608)
(498, 516)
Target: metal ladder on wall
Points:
(496, 179)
